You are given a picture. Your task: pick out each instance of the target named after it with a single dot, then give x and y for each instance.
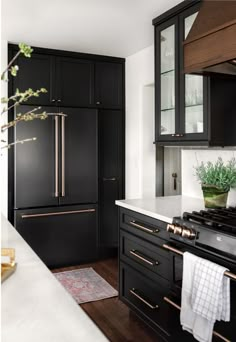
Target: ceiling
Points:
(107, 27)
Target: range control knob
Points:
(178, 230)
(170, 228)
(189, 233)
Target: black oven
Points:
(176, 249)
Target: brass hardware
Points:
(63, 156)
(133, 223)
(142, 299)
(166, 299)
(177, 135)
(170, 228)
(53, 100)
(188, 233)
(109, 179)
(56, 157)
(7, 268)
(178, 230)
(174, 175)
(152, 263)
(98, 102)
(59, 213)
(59, 100)
(172, 249)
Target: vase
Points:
(214, 197)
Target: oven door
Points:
(223, 331)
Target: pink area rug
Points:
(85, 285)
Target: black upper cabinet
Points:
(74, 79)
(108, 85)
(36, 73)
(187, 106)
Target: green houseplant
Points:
(216, 180)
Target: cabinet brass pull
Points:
(215, 333)
(109, 179)
(134, 253)
(142, 299)
(59, 213)
(177, 135)
(56, 157)
(149, 230)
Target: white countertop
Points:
(163, 208)
(35, 306)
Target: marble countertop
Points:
(35, 306)
(163, 208)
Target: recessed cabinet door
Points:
(35, 163)
(192, 89)
(110, 156)
(108, 85)
(79, 174)
(74, 82)
(167, 80)
(36, 72)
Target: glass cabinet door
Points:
(167, 81)
(193, 102)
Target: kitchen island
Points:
(35, 306)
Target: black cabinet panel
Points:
(74, 82)
(35, 162)
(36, 72)
(110, 174)
(108, 84)
(81, 174)
(60, 236)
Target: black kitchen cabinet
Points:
(80, 156)
(110, 173)
(186, 106)
(62, 235)
(35, 73)
(75, 79)
(108, 85)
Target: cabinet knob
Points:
(59, 100)
(98, 102)
(177, 135)
(53, 100)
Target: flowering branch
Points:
(18, 142)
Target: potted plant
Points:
(216, 180)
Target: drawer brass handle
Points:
(134, 253)
(23, 216)
(166, 299)
(142, 299)
(149, 230)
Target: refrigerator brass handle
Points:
(63, 192)
(135, 253)
(23, 216)
(215, 333)
(149, 230)
(134, 293)
(56, 157)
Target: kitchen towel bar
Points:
(215, 333)
(177, 251)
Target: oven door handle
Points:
(177, 251)
(215, 333)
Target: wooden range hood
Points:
(210, 46)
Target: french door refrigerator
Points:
(56, 184)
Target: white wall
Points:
(191, 158)
(3, 152)
(140, 150)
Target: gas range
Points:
(213, 231)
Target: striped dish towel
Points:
(210, 291)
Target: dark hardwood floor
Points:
(113, 317)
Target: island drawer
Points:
(143, 226)
(144, 255)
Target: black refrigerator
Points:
(56, 184)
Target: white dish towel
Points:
(205, 296)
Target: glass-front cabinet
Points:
(181, 111)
